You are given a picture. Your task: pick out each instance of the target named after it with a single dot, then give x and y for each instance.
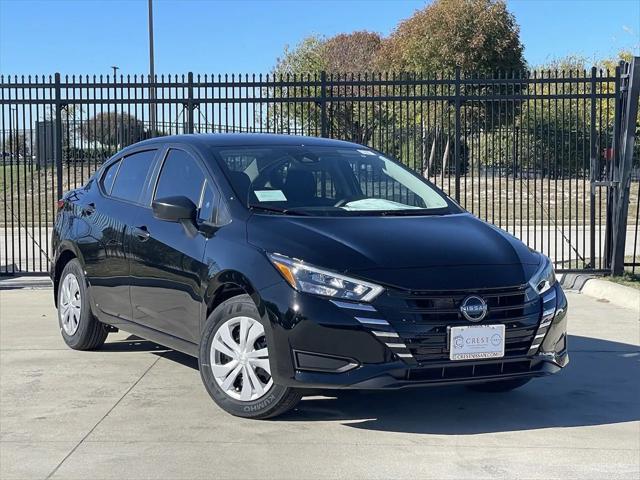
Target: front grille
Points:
(422, 319)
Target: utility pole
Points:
(152, 89)
(115, 70)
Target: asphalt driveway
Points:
(137, 410)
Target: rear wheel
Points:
(499, 386)
(79, 328)
(234, 363)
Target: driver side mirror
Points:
(174, 209)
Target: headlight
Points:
(544, 278)
(309, 279)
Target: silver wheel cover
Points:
(240, 359)
(70, 304)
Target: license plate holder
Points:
(476, 342)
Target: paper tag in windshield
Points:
(366, 152)
(270, 196)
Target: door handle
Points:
(89, 209)
(142, 233)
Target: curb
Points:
(600, 289)
(619, 295)
(10, 283)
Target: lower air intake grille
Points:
(461, 372)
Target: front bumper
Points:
(320, 344)
(396, 374)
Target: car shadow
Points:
(133, 343)
(599, 386)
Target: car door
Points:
(166, 260)
(110, 213)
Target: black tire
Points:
(90, 333)
(499, 386)
(277, 399)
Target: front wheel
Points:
(499, 386)
(79, 328)
(234, 363)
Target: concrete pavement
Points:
(137, 410)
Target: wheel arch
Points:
(228, 284)
(66, 253)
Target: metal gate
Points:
(548, 156)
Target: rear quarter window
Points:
(109, 176)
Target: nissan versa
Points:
(289, 263)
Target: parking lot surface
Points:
(137, 410)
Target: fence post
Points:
(594, 170)
(324, 130)
(611, 173)
(190, 105)
(631, 93)
(456, 140)
(57, 136)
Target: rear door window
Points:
(132, 175)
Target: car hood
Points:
(392, 250)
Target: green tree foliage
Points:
(342, 57)
(557, 133)
(479, 36)
(537, 135)
(306, 57)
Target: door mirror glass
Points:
(174, 209)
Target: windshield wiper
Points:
(412, 212)
(284, 211)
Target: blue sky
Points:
(242, 36)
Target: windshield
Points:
(301, 180)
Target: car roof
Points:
(244, 139)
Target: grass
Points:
(508, 201)
(29, 194)
(628, 279)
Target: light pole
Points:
(115, 93)
(152, 89)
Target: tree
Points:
(113, 129)
(556, 133)
(306, 57)
(355, 52)
(479, 36)
(343, 53)
(342, 57)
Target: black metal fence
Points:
(532, 152)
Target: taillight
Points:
(60, 204)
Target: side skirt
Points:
(156, 336)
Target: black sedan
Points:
(285, 263)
